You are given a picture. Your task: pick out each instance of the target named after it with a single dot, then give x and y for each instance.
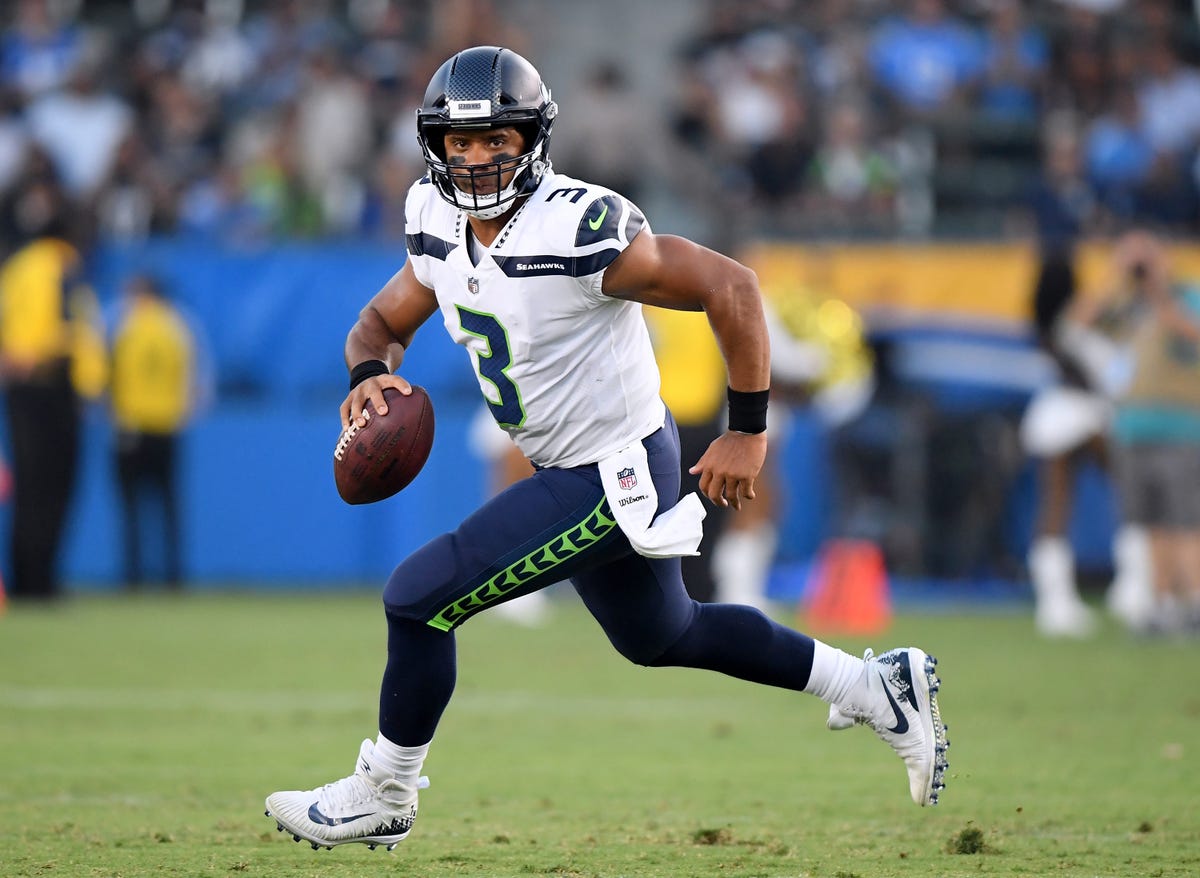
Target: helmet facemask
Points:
(477, 189)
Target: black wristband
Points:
(367, 369)
(747, 411)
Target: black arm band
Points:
(367, 369)
(747, 411)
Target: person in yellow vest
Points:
(152, 398)
(49, 344)
(819, 360)
(693, 387)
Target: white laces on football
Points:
(347, 436)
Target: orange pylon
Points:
(848, 591)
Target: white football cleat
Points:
(1067, 617)
(904, 712)
(369, 807)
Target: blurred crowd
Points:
(857, 117)
(263, 119)
(240, 121)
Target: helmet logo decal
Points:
(470, 109)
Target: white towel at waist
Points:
(625, 475)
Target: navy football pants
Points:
(553, 526)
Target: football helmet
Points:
(481, 88)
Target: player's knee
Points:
(399, 600)
(655, 645)
(688, 649)
(644, 658)
(413, 589)
(650, 652)
(669, 656)
(646, 655)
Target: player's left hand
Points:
(729, 467)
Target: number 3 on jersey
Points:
(493, 365)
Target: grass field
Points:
(139, 736)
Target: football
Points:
(376, 461)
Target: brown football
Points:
(374, 462)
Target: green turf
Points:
(138, 737)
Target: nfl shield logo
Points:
(473, 286)
(626, 479)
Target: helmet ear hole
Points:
(529, 135)
(434, 137)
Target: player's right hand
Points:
(355, 403)
(730, 466)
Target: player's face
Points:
(488, 159)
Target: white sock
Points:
(1052, 569)
(1131, 595)
(742, 564)
(837, 677)
(404, 763)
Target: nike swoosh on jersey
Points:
(315, 815)
(901, 725)
(595, 224)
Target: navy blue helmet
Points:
(481, 88)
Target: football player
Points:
(542, 278)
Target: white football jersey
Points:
(568, 371)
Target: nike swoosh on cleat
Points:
(594, 225)
(910, 693)
(901, 725)
(315, 815)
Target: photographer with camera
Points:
(1156, 428)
